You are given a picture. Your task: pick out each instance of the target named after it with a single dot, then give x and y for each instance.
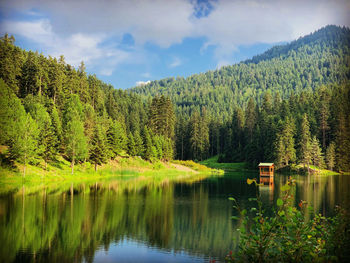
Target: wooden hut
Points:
(266, 169)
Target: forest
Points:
(49, 109)
(289, 105)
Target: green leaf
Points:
(244, 212)
(252, 199)
(285, 187)
(253, 209)
(281, 213)
(250, 181)
(279, 202)
(234, 217)
(231, 198)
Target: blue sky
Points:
(126, 43)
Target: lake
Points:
(187, 220)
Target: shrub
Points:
(287, 236)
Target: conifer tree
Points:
(57, 127)
(250, 114)
(75, 140)
(330, 156)
(98, 149)
(24, 144)
(285, 150)
(150, 150)
(11, 61)
(305, 146)
(131, 145)
(117, 139)
(139, 148)
(316, 153)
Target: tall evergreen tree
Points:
(98, 149)
(316, 153)
(305, 146)
(131, 145)
(330, 156)
(75, 140)
(24, 144)
(117, 139)
(285, 150)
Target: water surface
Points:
(129, 221)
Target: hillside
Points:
(317, 59)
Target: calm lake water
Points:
(129, 221)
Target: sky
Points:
(130, 42)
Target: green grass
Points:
(58, 174)
(198, 167)
(299, 169)
(231, 167)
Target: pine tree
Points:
(250, 114)
(305, 142)
(324, 115)
(117, 139)
(47, 145)
(131, 145)
(150, 151)
(316, 153)
(11, 61)
(284, 145)
(139, 148)
(75, 140)
(342, 143)
(98, 149)
(24, 144)
(11, 110)
(57, 127)
(330, 156)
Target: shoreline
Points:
(58, 174)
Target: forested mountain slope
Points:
(318, 59)
(50, 109)
(287, 105)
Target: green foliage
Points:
(285, 148)
(75, 140)
(117, 139)
(330, 156)
(287, 236)
(98, 150)
(24, 144)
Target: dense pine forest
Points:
(50, 109)
(288, 105)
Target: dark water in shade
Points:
(156, 222)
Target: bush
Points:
(286, 236)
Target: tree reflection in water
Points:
(194, 216)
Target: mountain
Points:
(320, 58)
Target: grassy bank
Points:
(230, 167)
(300, 169)
(58, 174)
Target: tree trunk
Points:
(95, 167)
(72, 165)
(25, 164)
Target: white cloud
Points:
(157, 21)
(175, 63)
(78, 29)
(240, 22)
(141, 83)
(76, 47)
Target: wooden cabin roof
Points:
(265, 164)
